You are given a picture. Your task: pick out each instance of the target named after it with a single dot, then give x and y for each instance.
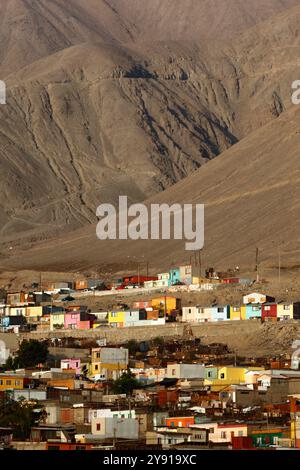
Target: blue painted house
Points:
(220, 312)
(174, 276)
(253, 311)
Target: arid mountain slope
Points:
(32, 29)
(254, 203)
(98, 120)
(101, 118)
(196, 19)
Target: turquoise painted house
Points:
(253, 311)
(174, 276)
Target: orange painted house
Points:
(180, 422)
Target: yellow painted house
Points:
(57, 320)
(34, 312)
(235, 313)
(11, 382)
(111, 362)
(243, 312)
(116, 318)
(285, 311)
(219, 377)
(166, 303)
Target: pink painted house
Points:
(79, 320)
(71, 364)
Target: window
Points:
(209, 374)
(223, 435)
(236, 309)
(1, 382)
(267, 307)
(8, 382)
(96, 367)
(211, 430)
(222, 376)
(286, 307)
(220, 309)
(17, 382)
(98, 427)
(173, 371)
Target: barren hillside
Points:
(96, 111)
(254, 203)
(32, 29)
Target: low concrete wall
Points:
(19, 445)
(204, 331)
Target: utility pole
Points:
(257, 265)
(279, 266)
(200, 263)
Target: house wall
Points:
(34, 311)
(235, 313)
(253, 311)
(285, 310)
(220, 313)
(269, 311)
(11, 382)
(254, 298)
(185, 371)
(180, 422)
(119, 428)
(57, 319)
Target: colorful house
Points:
(34, 312)
(235, 313)
(163, 280)
(78, 320)
(266, 437)
(180, 422)
(71, 364)
(13, 382)
(219, 377)
(285, 311)
(251, 311)
(196, 314)
(109, 362)
(17, 311)
(220, 313)
(269, 311)
(185, 274)
(257, 298)
(174, 276)
(117, 319)
(223, 433)
(57, 320)
(166, 304)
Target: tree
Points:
(30, 354)
(125, 384)
(20, 415)
(132, 346)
